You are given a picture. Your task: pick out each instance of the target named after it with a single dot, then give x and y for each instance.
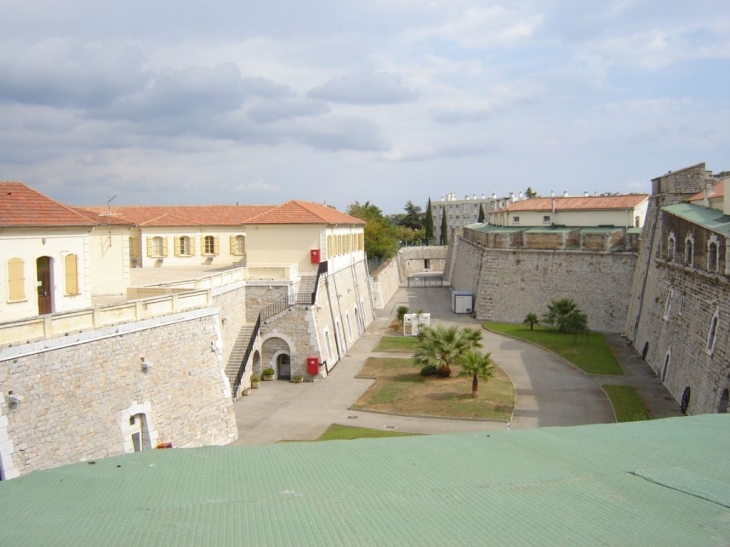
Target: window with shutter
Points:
(16, 279)
(71, 265)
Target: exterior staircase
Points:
(307, 284)
(237, 354)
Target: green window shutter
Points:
(16, 279)
(72, 278)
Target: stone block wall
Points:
(260, 296)
(413, 259)
(386, 283)
(79, 397)
(509, 284)
(676, 319)
(231, 303)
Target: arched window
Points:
(211, 245)
(712, 335)
(671, 247)
(689, 254)
(156, 247)
(184, 246)
(712, 254)
(238, 245)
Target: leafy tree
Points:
(481, 213)
(576, 323)
(558, 312)
(478, 366)
(442, 346)
(380, 239)
(428, 222)
(530, 193)
(531, 319)
(413, 218)
(444, 230)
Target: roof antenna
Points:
(109, 218)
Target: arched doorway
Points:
(283, 366)
(722, 406)
(44, 284)
(256, 363)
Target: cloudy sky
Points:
(260, 101)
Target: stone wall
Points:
(385, 283)
(509, 284)
(413, 259)
(676, 320)
(231, 303)
(79, 398)
(259, 296)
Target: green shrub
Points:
(269, 371)
(429, 370)
(255, 378)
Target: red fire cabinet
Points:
(313, 365)
(314, 255)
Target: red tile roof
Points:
(304, 212)
(581, 203)
(718, 191)
(192, 215)
(21, 206)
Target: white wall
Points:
(109, 260)
(31, 244)
(196, 234)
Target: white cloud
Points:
(365, 88)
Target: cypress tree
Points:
(429, 222)
(444, 230)
(480, 220)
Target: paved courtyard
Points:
(550, 392)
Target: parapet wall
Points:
(509, 284)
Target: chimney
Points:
(494, 195)
(565, 193)
(585, 193)
(707, 193)
(552, 193)
(520, 194)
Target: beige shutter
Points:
(217, 245)
(150, 247)
(192, 246)
(164, 246)
(134, 246)
(16, 279)
(232, 245)
(72, 283)
(177, 245)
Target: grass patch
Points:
(591, 354)
(397, 343)
(337, 432)
(400, 389)
(626, 403)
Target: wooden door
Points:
(45, 294)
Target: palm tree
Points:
(531, 319)
(477, 366)
(576, 323)
(558, 312)
(442, 346)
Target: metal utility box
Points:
(462, 301)
(314, 256)
(413, 322)
(313, 365)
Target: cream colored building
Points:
(610, 210)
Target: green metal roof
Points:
(665, 482)
(634, 231)
(712, 219)
(551, 229)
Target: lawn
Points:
(591, 354)
(337, 432)
(400, 389)
(397, 343)
(626, 403)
